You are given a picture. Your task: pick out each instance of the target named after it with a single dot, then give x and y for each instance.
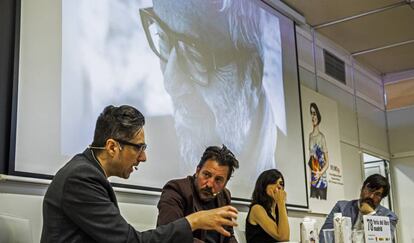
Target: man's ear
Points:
(111, 146)
(362, 188)
(197, 171)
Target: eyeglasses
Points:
(196, 58)
(139, 147)
(373, 191)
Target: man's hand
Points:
(214, 219)
(365, 208)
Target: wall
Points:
(401, 130)
(361, 109)
(362, 126)
(403, 174)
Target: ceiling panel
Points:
(391, 60)
(373, 31)
(321, 11)
(400, 94)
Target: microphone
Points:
(94, 147)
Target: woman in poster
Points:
(318, 161)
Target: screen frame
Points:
(10, 166)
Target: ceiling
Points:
(378, 33)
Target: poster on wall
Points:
(322, 151)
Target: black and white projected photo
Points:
(202, 72)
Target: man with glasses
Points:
(203, 191)
(374, 189)
(80, 204)
(221, 62)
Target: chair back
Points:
(15, 230)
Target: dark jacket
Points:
(80, 206)
(179, 198)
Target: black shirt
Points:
(255, 233)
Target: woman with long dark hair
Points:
(267, 220)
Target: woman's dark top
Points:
(255, 233)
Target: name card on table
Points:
(377, 229)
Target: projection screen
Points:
(202, 72)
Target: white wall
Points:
(403, 174)
(401, 131)
(24, 206)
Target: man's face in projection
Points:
(208, 79)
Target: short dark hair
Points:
(377, 181)
(222, 155)
(117, 123)
(318, 114)
(259, 195)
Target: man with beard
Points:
(221, 62)
(373, 190)
(202, 191)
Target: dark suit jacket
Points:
(80, 206)
(179, 199)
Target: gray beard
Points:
(223, 114)
(226, 112)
